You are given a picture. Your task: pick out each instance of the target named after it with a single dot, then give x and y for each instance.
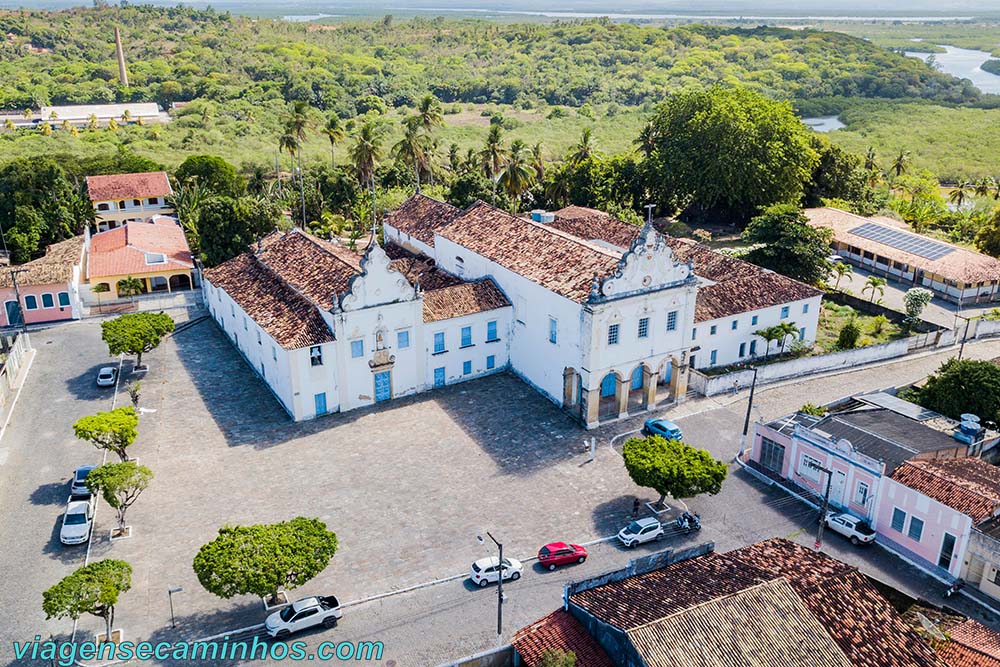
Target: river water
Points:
(964, 63)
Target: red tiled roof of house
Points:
(735, 286)
(961, 264)
(56, 266)
(766, 625)
(555, 260)
(862, 622)
(114, 187)
(971, 644)
(559, 631)
(309, 265)
(283, 312)
(648, 597)
(123, 250)
(463, 299)
(420, 216)
(590, 224)
(969, 485)
(419, 268)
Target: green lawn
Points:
(832, 319)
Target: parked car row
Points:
(78, 519)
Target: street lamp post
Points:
(479, 538)
(746, 420)
(170, 595)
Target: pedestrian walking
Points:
(635, 508)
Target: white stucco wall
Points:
(454, 357)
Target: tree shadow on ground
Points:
(53, 493)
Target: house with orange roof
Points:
(122, 198)
(155, 252)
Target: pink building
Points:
(48, 286)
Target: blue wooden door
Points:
(320, 400)
(668, 369)
(14, 316)
(609, 385)
(637, 378)
(439, 377)
(383, 386)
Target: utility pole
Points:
(480, 539)
(302, 189)
(746, 420)
(965, 335)
(826, 503)
(17, 297)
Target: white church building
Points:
(600, 317)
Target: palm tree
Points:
(517, 175)
(288, 142)
(985, 186)
(298, 120)
(492, 155)
(367, 150)
(99, 289)
(557, 190)
(454, 159)
(130, 287)
(9, 125)
(875, 285)
(186, 202)
(787, 329)
(770, 335)
(871, 160)
(429, 113)
(646, 141)
(537, 161)
(126, 116)
(334, 131)
(901, 164)
(412, 148)
(583, 150)
(841, 270)
(960, 193)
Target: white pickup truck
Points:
(302, 614)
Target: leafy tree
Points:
(879, 323)
(875, 285)
(92, 589)
(371, 104)
(120, 484)
(213, 174)
(785, 242)
(228, 226)
(557, 658)
(849, 334)
(729, 151)
(915, 300)
(814, 410)
(261, 559)
(113, 431)
(988, 237)
(39, 205)
(841, 270)
(136, 333)
(468, 188)
(964, 386)
(672, 467)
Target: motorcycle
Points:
(688, 522)
(954, 588)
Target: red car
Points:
(560, 553)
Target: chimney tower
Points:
(122, 73)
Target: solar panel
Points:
(905, 241)
(898, 405)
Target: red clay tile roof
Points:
(970, 485)
(419, 268)
(56, 266)
(309, 265)
(648, 597)
(961, 264)
(971, 644)
(735, 286)
(766, 625)
(555, 260)
(420, 216)
(122, 251)
(862, 622)
(284, 313)
(590, 224)
(128, 186)
(559, 631)
(463, 299)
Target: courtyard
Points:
(406, 488)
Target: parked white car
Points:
(640, 531)
(78, 521)
(78, 484)
(302, 614)
(106, 376)
(486, 571)
(856, 530)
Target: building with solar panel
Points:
(888, 248)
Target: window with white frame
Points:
(898, 519)
(916, 530)
(491, 331)
(403, 339)
(784, 312)
(466, 337)
(439, 342)
(316, 355)
(809, 468)
(861, 494)
(30, 302)
(772, 454)
(712, 330)
(63, 299)
(643, 327)
(48, 301)
(613, 334)
(553, 331)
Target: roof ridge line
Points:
(316, 242)
(711, 601)
(569, 237)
